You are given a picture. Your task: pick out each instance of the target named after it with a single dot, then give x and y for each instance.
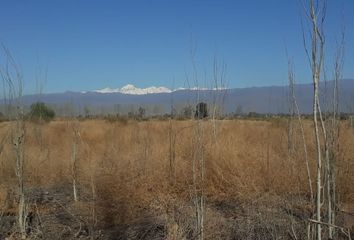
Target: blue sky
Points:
(86, 45)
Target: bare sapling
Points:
(326, 129)
(333, 140)
(172, 146)
(198, 167)
(93, 202)
(41, 78)
(291, 102)
(316, 13)
(198, 164)
(74, 157)
(13, 81)
(294, 110)
(92, 182)
(219, 74)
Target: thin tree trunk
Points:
(74, 160)
(13, 81)
(294, 109)
(19, 149)
(319, 164)
(317, 57)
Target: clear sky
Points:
(88, 44)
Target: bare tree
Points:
(198, 161)
(13, 81)
(41, 79)
(333, 139)
(326, 132)
(316, 13)
(74, 157)
(294, 109)
(219, 75)
(172, 144)
(291, 102)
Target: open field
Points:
(135, 179)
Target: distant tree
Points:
(173, 112)
(239, 110)
(141, 112)
(40, 111)
(131, 114)
(201, 110)
(255, 115)
(2, 116)
(187, 112)
(87, 112)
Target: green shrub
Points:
(39, 111)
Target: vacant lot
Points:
(135, 179)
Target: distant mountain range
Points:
(158, 100)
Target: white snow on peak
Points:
(131, 89)
(107, 90)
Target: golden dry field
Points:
(139, 179)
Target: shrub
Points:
(186, 113)
(201, 110)
(40, 111)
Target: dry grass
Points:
(253, 189)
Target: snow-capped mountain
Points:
(131, 89)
